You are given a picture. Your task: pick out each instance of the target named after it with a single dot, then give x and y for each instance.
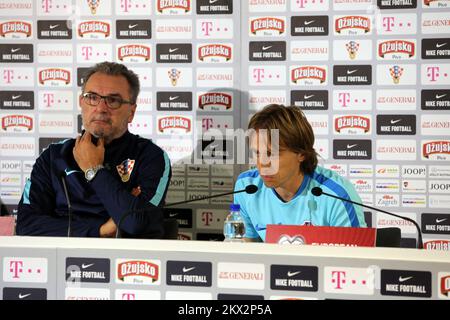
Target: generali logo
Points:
(215, 101)
(240, 275)
(396, 49)
(134, 53)
(309, 75)
(138, 271)
(352, 124)
(47, 76)
(94, 29)
(268, 26)
(18, 269)
(15, 29)
(215, 53)
(173, 6)
(436, 150)
(352, 25)
(343, 280)
(174, 124)
(17, 123)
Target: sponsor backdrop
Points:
(95, 269)
(372, 76)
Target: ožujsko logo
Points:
(214, 99)
(17, 121)
(54, 74)
(18, 27)
(209, 51)
(184, 5)
(435, 148)
(138, 268)
(354, 122)
(174, 122)
(134, 51)
(275, 25)
(94, 27)
(352, 22)
(396, 47)
(308, 72)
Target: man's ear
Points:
(300, 157)
(132, 112)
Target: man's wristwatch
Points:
(91, 172)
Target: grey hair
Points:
(116, 69)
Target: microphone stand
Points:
(319, 191)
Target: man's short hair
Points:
(295, 132)
(116, 69)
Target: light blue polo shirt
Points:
(266, 207)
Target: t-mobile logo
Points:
(433, 73)
(8, 75)
(258, 75)
(86, 52)
(46, 5)
(344, 99)
(49, 99)
(207, 123)
(125, 5)
(388, 23)
(207, 218)
(207, 27)
(128, 296)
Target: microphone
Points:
(250, 189)
(69, 206)
(317, 191)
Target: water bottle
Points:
(234, 228)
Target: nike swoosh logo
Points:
(259, 228)
(291, 274)
(53, 26)
(212, 1)
(85, 266)
(309, 22)
(188, 269)
(401, 279)
(308, 97)
(69, 172)
(350, 146)
(173, 50)
(173, 214)
(15, 50)
(23, 296)
(351, 71)
(264, 48)
(395, 121)
(440, 96)
(16, 97)
(440, 220)
(132, 26)
(173, 98)
(438, 45)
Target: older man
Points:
(109, 172)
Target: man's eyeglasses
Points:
(112, 102)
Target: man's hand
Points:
(86, 154)
(108, 229)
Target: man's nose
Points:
(102, 106)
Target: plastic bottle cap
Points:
(235, 207)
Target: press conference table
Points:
(84, 268)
